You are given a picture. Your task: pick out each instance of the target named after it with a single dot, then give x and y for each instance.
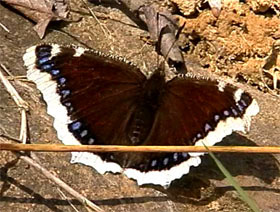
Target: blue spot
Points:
(47, 67)
(198, 136)
(240, 107)
(67, 104)
(226, 113)
(185, 154)
(55, 72)
(75, 125)
(90, 141)
(44, 48)
(243, 103)
(65, 93)
(154, 163)
(234, 111)
(175, 156)
(207, 127)
(70, 110)
(43, 60)
(84, 133)
(216, 118)
(194, 140)
(165, 161)
(61, 80)
(44, 53)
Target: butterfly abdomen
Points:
(140, 124)
(142, 119)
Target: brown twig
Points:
(115, 148)
(59, 182)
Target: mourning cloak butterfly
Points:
(99, 99)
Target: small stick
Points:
(16, 97)
(23, 127)
(94, 16)
(4, 27)
(8, 137)
(65, 198)
(62, 184)
(115, 148)
(20, 103)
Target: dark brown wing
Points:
(191, 111)
(191, 108)
(97, 91)
(103, 93)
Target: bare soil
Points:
(234, 47)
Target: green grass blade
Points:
(243, 194)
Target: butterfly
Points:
(99, 99)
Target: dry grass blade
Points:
(4, 27)
(115, 148)
(243, 194)
(18, 100)
(61, 183)
(20, 103)
(105, 30)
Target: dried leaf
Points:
(41, 12)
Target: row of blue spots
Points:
(45, 63)
(234, 111)
(81, 133)
(177, 157)
(166, 162)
